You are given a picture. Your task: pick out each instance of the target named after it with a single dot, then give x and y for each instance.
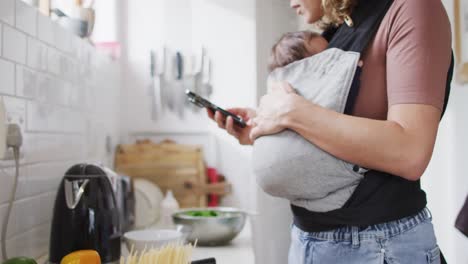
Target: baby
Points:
(295, 46)
(285, 164)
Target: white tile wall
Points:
(1, 36)
(53, 61)
(26, 18)
(37, 54)
(45, 30)
(27, 82)
(7, 11)
(34, 242)
(7, 77)
(14, 44)
(53, 84)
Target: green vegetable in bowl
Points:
(203, 213)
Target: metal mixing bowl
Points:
(212, 231)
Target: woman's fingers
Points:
(254, 133)
(210, 113)
(256, 129)
(230, 127)
(219, 118)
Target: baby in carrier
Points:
(295, 46)
(286, 164)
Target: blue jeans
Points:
(409, 240)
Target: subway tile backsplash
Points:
(7, 11)
(14, 44)
(26, 18)
(7, 77)
(64, 95)
(37, 54)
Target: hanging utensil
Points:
(166, 76)
(178, 89)
(200, 73)
(197, 80)
(151, 83)
(155, 88)
(168, 94)
(180, 66)
(207, 88)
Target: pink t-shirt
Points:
(408, 60)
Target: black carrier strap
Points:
(380, 197)
(367, 18)
(448, 84)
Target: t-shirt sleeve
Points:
(418, 53)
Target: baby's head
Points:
(295, 46)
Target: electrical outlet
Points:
(14, 113)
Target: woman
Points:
(391, 130)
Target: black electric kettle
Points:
(85, 215)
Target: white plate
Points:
(148, 198)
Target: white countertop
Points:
(240, 250)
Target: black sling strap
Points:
(367, 17)
(448, 85)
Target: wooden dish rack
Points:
(171, 166)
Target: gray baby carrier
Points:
(289, 166)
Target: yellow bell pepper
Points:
(82, 257)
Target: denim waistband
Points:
(384, 230)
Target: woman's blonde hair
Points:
(335, 11)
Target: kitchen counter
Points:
(240, 250)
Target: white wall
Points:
(227, 30)
(65, 96)
(237, 36)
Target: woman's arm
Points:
(401, 145)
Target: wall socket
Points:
(12, 111)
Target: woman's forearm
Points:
(391, 146)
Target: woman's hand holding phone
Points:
(242, 134)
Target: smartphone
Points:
(203, 103)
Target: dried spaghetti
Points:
(169, 254)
